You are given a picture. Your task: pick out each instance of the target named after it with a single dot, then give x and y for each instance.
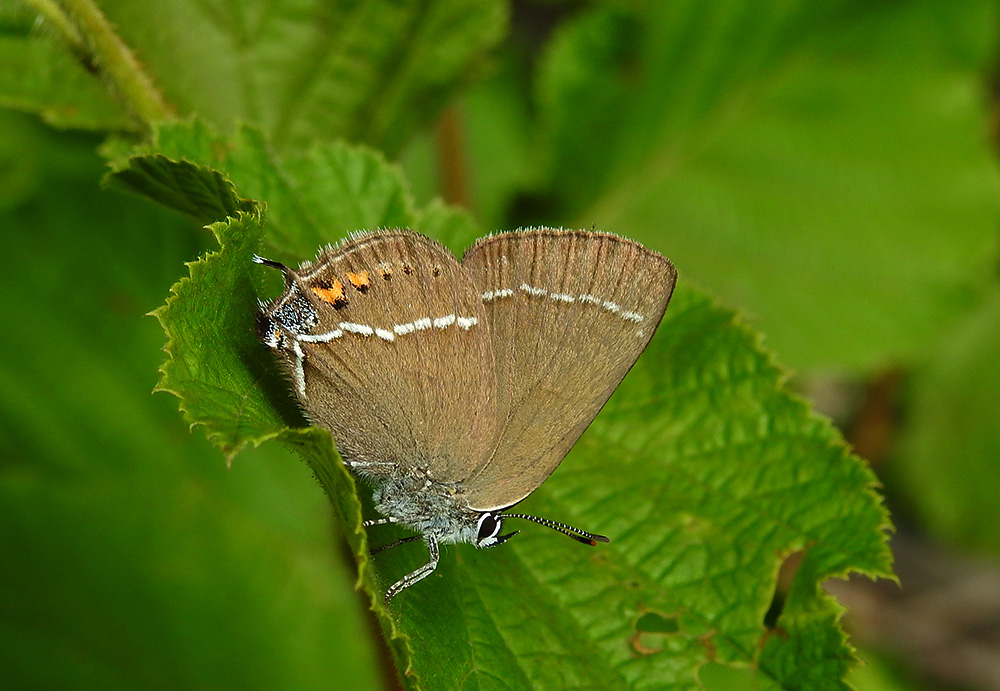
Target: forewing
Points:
(569, 314)
(392, 353)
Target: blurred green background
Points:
(829, 170)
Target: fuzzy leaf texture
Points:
(704, 471)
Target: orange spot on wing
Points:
(331, 292)
(359, 280)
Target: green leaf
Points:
(946, 468)
(231, 401)
(308, 71)
(703, 470)
(131, 558)
(824, 166)
(312, 198)
(879, 674)
(197, 191)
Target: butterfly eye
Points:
(488, 529)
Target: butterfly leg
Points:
(421, 573)
(397, 543)
(400, 541)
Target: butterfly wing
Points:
(569, 313)
(386, 342)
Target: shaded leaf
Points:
(197, 191)
(823, 165)
(137, 559)
(312, 199)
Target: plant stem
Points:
(54, 15)
(451, 152)
(88, 32)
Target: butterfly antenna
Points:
(257, 259)
(568, 530)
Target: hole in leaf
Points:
(782, 584)
(651, 628)
(654, 622)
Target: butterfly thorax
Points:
(426, 505)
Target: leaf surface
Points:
(702, 469)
